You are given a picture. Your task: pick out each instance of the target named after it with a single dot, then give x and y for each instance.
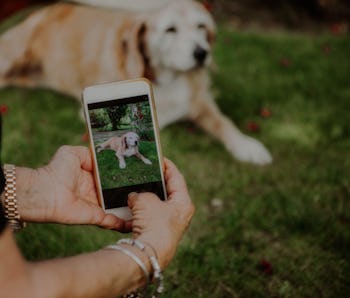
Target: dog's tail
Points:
(15, 60)
(133, 5)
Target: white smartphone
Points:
(124, 138)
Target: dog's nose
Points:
(136, 143)
(200, 54)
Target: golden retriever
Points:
(68, 47)
(124, 146)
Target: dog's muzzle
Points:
(200, 55)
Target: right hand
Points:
(161, 224)
(63, 192)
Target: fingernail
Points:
(132, 194)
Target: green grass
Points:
(136, 171)
(283, 230)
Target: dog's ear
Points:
(134, 51)
(211, 34)
(209, 22)
(124, 144)
(210, 27)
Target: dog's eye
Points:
(171, 29)
(201, 26)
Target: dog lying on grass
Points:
(124, 146)
(68, 47)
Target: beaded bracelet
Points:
(134, 257)
(157, 273)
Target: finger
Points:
(132, 197)
(172, 173)
(94, 215)
(140, 199)
(175, 181)
(177, 188)
(84, 156)
(128, 225)
(112, 222)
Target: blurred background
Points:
(289, 14)
(283, 76)
(310, 15)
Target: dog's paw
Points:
(122, 165)
(247, 149)
(147, 161)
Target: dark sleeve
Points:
(3, 220)
(2, 180)
(2, 186)
(2, 214)
(2, 177)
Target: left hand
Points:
(161, 224)
(64, 192)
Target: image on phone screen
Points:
(125, 145)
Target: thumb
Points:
(132, 197)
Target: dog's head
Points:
(178, 38)
(130, 139)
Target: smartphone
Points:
(124, 137)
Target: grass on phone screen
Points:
(135, 172)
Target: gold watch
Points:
(9, 199)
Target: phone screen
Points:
(125, 145)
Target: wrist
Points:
(146, 257)
(9, 198)
(164, 252)
(29, 197)
(138, 265)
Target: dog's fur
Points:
(67, 47)
(124, 146)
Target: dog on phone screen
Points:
(124, 146)
(68, 47)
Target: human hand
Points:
(63, 192)
(162, 224)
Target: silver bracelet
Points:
(157, 272)
(135, 258)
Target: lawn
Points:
(281, 230)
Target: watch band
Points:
(10, 200)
